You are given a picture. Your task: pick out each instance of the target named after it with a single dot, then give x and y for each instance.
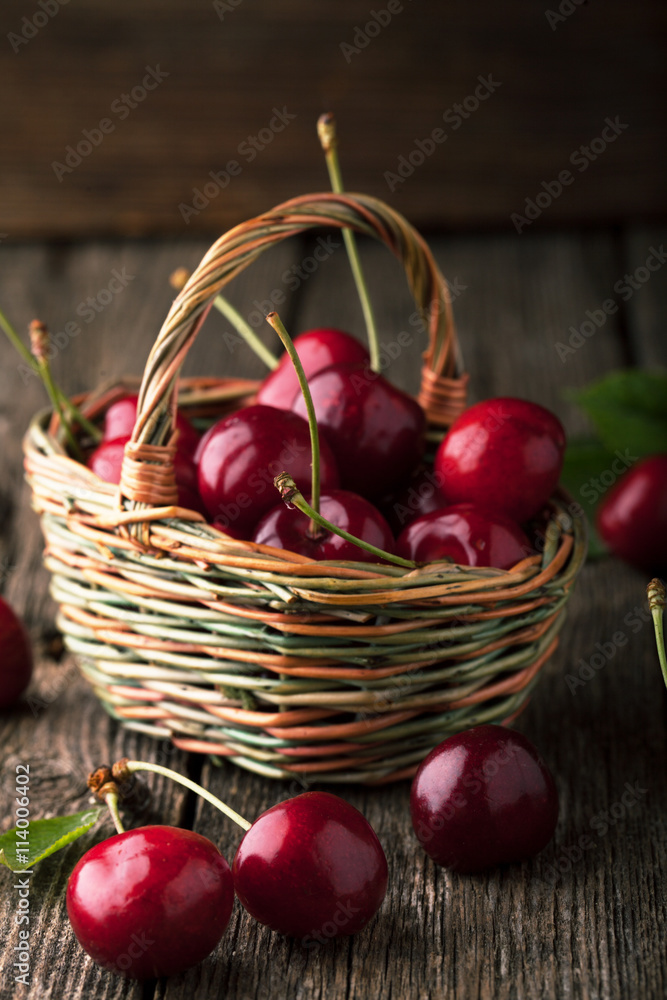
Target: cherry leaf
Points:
(20, 849)
(629, 411)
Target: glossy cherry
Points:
(240, 456)
(505, 454)
(150, 902)
(466, 534)
(291, 529)
(481, 798)
(15, 656)
(632, 518)
(106, 461)
(375, 430)
(121, 417)
(311, 867)
(317, 349)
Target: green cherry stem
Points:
(178, 280)
(326, 130)
(657, 599)
(126, 767)
(39, 342)
(274, 320)
(31, 362)
(111, 799)
(292, 497)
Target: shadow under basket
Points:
(289, 667)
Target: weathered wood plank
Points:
(551, 85)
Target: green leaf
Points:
(587, 469)
(43, 837)
(629, 410)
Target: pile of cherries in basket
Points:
(493, 472)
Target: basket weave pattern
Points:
(286, 666)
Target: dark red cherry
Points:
(375, 430)
(317, 349)
(290, 529)
(311, 867)
(505, 454)
(121, 417)
(483, 797)
(150, 902)
(469, 535)
(242, 454)
(15, 656)
(632, 518)
(106, 461)
(422, 495)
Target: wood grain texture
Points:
(587, 917)
(554, 84)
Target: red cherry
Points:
(422, 495)
(311, 867)
(469, 535)
(107, 461)
(150, 902)
(242, 454)
(15, 657)
(289, 529)
(504, 454)
(375, 430)
(121, 417)
(317, 349)
(632, 518)
(483, 797)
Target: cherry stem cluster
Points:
(657, 599)
(326, 130)
(292, 497)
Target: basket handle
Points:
(148, 477)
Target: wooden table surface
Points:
(576, 921)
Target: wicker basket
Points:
(289, 667)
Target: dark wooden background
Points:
(560, 77)
(574, 922)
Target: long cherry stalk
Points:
(326, 130)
